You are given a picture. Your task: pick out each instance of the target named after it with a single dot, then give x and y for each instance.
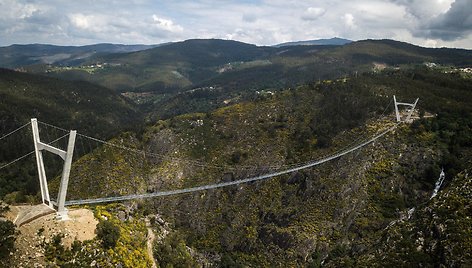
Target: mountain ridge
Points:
(205, 62)
(19, 55)
(335, 41)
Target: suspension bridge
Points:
(66, 155)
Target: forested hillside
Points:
(220, 111)
(92, 109)
(237, 66)
(201, 75)
(333, 214)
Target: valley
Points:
(207, 111)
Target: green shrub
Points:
(54, 251)
(228, 262)
(7, 239)
(109, 233)
(173, 252)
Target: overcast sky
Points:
(431, 23)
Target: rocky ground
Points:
(33, 235)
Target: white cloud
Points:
(263, 22)
(425, 9)
(16, 10)
(349, 20)
(313, 13)
(249, 18)
(94, 25)
(431, 43)
(166, 24)
(80, 20)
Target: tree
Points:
(7, 240)
(173, 252)
(109, 233)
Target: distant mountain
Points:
(171, 67)
(196, 63)
(202, 74)
(199, 75)
(15, 56)
(331, 41)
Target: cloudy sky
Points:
(432, 23)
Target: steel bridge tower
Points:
(66, 156)
(409, 112)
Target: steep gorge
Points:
(335, 214)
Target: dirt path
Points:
(150, 242)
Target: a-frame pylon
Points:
(66, 156)
(410, 112)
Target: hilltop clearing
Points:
(33, 236)
(103, 236)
